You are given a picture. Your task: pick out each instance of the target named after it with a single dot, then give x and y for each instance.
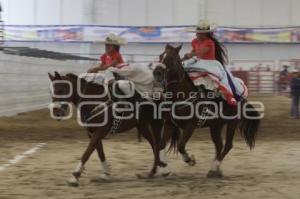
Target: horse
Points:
(171, 75)
(70, 89)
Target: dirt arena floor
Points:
(37, 156)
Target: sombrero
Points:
(203, 27)
(113, 39)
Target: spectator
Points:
(295, 94)
(283, 80)
(285, 71)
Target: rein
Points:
(101, 108)
(165, 80)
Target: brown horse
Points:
(178, 86)
(66, 90)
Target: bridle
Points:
(165, 81)
(98, 110)
(60, 103)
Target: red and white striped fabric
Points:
(213, 82)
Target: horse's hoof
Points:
(163, 171)
(140, 176)
(192, 161)
(101, 178)
(165, 174)
(76, 174)
(73, 182)
(104, 176)
(144, 176)
(214, 174)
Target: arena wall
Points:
(153, 12)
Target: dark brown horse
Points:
(178, 87)
(93, 111)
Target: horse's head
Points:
(170, 69)
(62, 93)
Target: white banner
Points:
(90, 33)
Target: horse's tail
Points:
(174, 140)
(249, 125)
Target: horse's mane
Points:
(71, 76)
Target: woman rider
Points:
(112, 56)
(205, 45)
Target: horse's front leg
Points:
(105, 166)
(143, 129)
(169, 130)
(186, 135)
(215, 171)
(74, 180)
(215, 132)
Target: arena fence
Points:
(24, 83)
(261, 82)
(266, 76)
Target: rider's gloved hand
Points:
(93, 70)
(187, 56)
(90, 70)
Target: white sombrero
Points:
(203, 27)
(113, 39)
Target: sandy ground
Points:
(272, 170)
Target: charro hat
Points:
(203, 27)
(113, 39)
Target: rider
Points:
(112, 56)
(205, 45)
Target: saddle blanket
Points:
(213, 76)
(140, 74)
